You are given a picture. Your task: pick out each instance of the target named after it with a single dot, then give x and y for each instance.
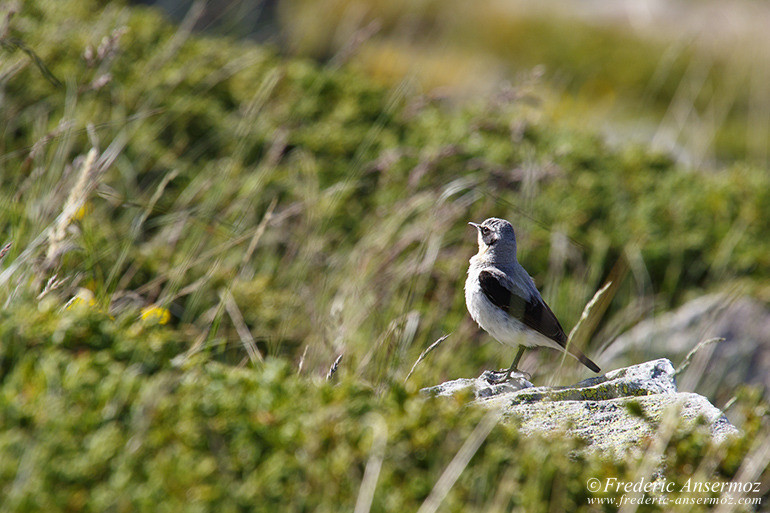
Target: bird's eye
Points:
(484, 230)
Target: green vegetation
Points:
(228, 222)
(674, 71)
(91, 422)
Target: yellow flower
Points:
(84, 209)
(83, 298)
(155, 314)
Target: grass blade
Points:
(425, 353)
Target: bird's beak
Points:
(482, 247)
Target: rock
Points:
(614, 412)
(742, 358)
(481, 386)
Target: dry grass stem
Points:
(587, 318)
(751, 470)
(459, 462)
(373, 465)
(425, 353)
(53, 283)
(75, 201)
(257, 235)
(240, 326)
(138, 225)
(189, 264)
(301, 363)
(334, 367)
(350, 48)
(576, 330)
(5, 250)
(688, 359)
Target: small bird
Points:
(502, 298)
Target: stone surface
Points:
(483, 386)
(614, 412)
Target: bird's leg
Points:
(511, 368)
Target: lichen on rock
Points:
(614, 412)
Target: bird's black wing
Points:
(497, 293)
(534, 313)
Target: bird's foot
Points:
(497, 381)
(501, 376)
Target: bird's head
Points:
(496, 238)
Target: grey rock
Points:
(717, 369)
(483, 386)
(612, 413)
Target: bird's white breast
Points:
(504, 328)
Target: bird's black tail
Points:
(577, 353)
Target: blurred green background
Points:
(622, 139)
(685, 76)
(203, 209)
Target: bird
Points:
(503, 300)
